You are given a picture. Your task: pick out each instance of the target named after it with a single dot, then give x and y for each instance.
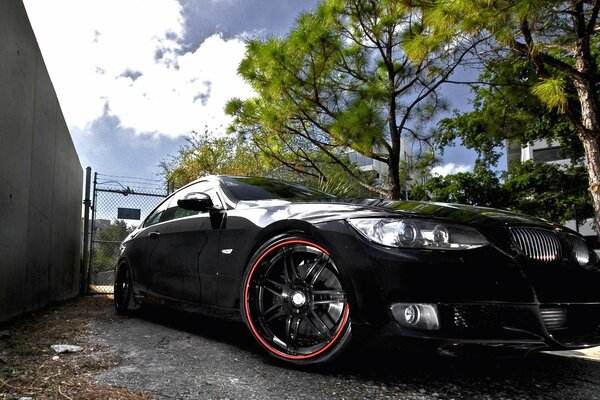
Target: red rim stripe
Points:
(255, 332)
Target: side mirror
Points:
(195, 202)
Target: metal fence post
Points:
(89, 266)
(86, 233)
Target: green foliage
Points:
(106, 245)
(540, 189)
(338, 182)
(203, 154)
(479, 188)
(559, 40)
(551, 91)
(505, 109)
(359, 126)
(339, 80)
(547, 190)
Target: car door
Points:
(182, 261)
(140, 245)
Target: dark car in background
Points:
(305, 270)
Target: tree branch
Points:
(532, 54)
(593, 18)
(289, 165)
(343, 165)
(549, 60)
(304, 157)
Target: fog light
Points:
(420, 316)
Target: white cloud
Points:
(88, 46)
(450, 168)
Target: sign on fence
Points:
(129, 213)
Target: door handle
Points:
(153, 235)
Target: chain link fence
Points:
(119, 204)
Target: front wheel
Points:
(294, 302)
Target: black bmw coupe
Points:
(305, 271)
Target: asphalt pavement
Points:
(174, 355)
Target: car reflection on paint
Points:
(306, 271)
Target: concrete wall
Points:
(40, 177)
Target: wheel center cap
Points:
(298, 299)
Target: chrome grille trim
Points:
(536, 243)
(554, 318)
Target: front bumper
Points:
(508, 326)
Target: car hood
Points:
(331, 209)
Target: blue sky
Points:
(133, 77)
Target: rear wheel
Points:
(123, 290)
(294, 302)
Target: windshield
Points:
(247, 188)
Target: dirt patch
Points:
(30, 368)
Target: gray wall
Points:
(40, 177)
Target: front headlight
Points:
(418, 233)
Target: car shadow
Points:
(381, 367)
(218, 329)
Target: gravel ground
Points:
(174, 355)
(30, 367)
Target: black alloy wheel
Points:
(123, 290)
(294, 302)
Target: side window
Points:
(181, 212)
(156, 215)
(174, 211)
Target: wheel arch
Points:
(280, 230)
(132, 272)
(122, 260)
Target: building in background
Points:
(540, 150)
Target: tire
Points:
(123, 290)
(294, 303)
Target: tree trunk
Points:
(394, 176)
(589, 128)
(394, 157)
(589, 134)
(591, 145)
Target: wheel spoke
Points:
(274, 287)
(329, 318)
(319, 325)
(314, 271)
(329, 296)
(289, 269)
(276, 311)
(291, 329)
